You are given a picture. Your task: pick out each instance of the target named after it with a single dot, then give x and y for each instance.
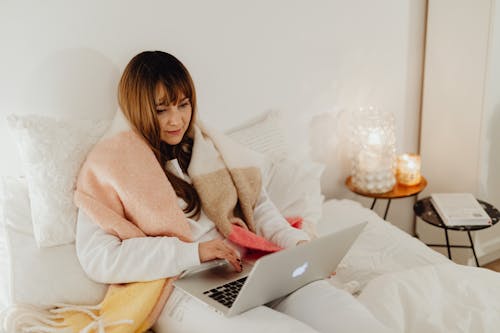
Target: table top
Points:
(398, 191)
(425, 210)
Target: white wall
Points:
(309, 59)
(461, 111)
(489, 163)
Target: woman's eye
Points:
(185, 104)
(158, 111)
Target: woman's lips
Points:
(177, 132)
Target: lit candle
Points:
(372, 156)
(374, 139)
(408, 169)
(373, 172)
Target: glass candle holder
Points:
(373, 150)
(408, 169)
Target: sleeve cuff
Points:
(293, 236)
(188, 255)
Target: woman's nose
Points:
(175, 117)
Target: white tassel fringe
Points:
(25, 318)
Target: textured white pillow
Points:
(38, 276)
(52, 151)
(265, 134)
(293, 184)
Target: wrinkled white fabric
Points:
(439, 298)
(316, 307)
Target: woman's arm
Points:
(107, 259)
(273, 226)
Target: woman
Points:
(158, 98)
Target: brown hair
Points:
(136, 96)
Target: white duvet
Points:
(408, 286)
(438, 298)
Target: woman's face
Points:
(174, 119)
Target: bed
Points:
(406, 285)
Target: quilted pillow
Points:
(52, 151)
(264, 134)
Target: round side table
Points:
(398, 191)
(424, 209)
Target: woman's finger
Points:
(232, 258)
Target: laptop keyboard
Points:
(226, 294)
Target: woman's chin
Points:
(172, 141)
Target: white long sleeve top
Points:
(107, 259)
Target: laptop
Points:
(228, 292)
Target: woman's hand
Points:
(217, 249)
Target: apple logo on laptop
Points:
(300, 270)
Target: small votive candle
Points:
(408, 169)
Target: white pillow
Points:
(292, 181)
(295, 188)
(52, 151)
(264, 134)
(39, 276)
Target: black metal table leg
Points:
(387, 208)
(447, 243)
(414, 227)
(472, 247)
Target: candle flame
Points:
(374, 138)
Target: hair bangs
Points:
(177, 89)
